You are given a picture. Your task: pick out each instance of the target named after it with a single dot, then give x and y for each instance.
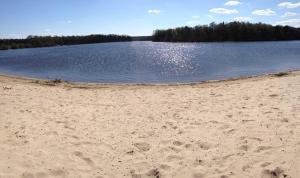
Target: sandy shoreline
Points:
(100, 85)
(238, 128)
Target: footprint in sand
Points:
(58, 172)
(229, 131)
(198, 175)
(152, 173)
(51, 133)
(244, 147)
(143, 147)
(273, 95)
(165, 167)
(41, 175)
(203, 145)
(285, 120)
(87, 160)
(172, 158)
(265, 164)
(263, 148)
(7, 88)
(188, 145)
(198, 162)
(276, 173)
(27, 175)
(177, 150)
(177, 143)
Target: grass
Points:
(56, 81)
(52, 82)
(281, 74)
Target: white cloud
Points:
(47, 30)
(69, 21)
(289, 5)
(192, 22)
(289, 14)
(290, 22)
(223, 11)
(242, 18)
(154, 11)
(196, 17)
(232, 3)
(264, 12)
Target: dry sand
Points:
(239, 128)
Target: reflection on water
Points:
(148, 62)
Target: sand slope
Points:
(242, 128)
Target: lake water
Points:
(148, 62)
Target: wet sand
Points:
(237, 128)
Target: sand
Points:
(238, 128)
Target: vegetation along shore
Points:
(233, 31)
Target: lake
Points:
(149, 62)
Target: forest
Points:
(46, 41)
(233, 31)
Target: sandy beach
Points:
(237, 128)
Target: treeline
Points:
(233, 31)
(142, 38)
(45, 41)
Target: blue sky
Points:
(20, 18)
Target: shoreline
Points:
(95, 85)
(235, 128)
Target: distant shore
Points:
(243, 127)
(222, 32)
